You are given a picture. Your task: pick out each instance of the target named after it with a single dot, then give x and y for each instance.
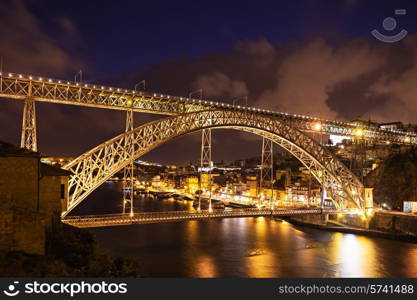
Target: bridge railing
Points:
(184, 215)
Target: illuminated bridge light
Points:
(40, 78)
(20, 76)
(359, 132)
(317, 126)
(10, 74)
(30, 77)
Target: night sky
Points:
(313, 57)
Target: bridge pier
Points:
(325, 218)
(205, 165)
(128, 171)
(28, 139)
(267, 170)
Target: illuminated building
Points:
(410, 206)
(156, 181)
(252, 185)
(192, 184)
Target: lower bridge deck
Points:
(176, 216)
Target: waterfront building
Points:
(410, 206)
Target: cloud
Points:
(400, 89)
(306, 75)
(218, 85)
(357, 77)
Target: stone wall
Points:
(21, 229)
(390, 223)
(50, 195)
(18, 179)
(311, 219)
(395, 223)
(21, 223)
(350, 220)
(28, 203)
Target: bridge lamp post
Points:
(79, 75)
(143, 83)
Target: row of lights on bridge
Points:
(358, 132)
(181, 98)
(317, 126)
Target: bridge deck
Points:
(176, 216)
(17, 86)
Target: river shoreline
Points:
(358, 231)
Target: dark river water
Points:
(245, 247)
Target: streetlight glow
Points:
(317, 126)
(359, 132)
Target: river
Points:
(245, 247)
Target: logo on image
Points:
(11, 289)
(390, 24)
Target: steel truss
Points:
(94, 167)
(57, 91)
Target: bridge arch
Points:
(94, 167)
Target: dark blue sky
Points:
(314, 57)
(118, 35)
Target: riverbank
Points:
(340, 227)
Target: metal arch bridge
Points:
(17, 86)
(179, 216)
(94, 167)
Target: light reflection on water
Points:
(253, 247)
